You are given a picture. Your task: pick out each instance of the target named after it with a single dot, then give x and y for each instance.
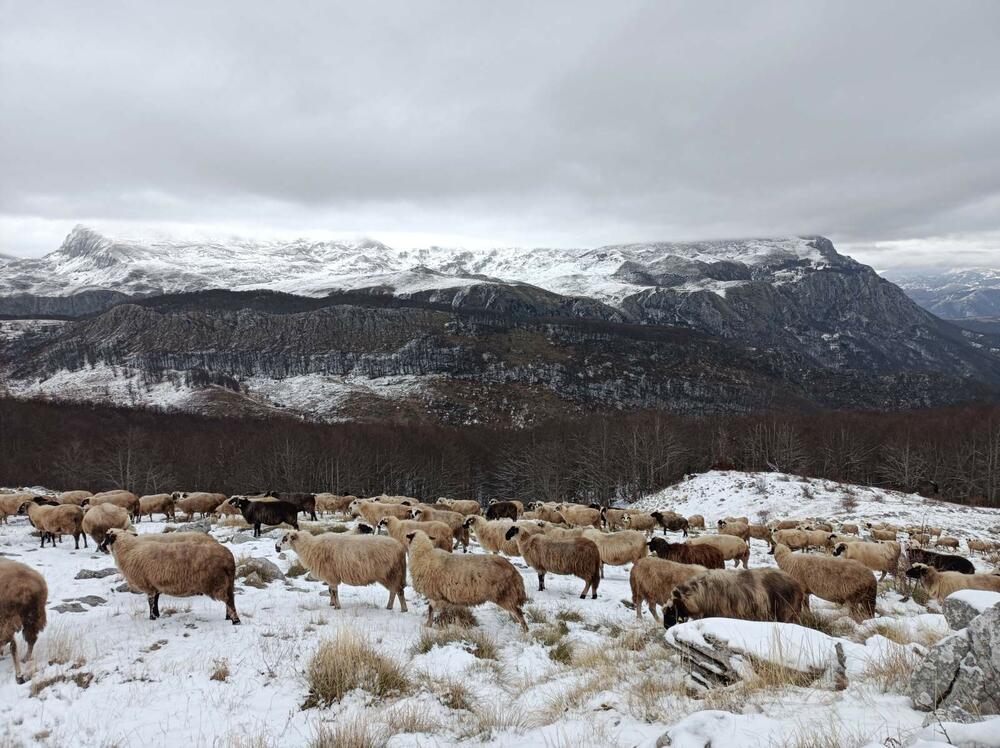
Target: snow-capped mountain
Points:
(88, 261)
(359, 329)
(953, 294)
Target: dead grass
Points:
(535, 614)
(891, 671)
(452, 693)
(220, 670)
(409, 718)
(80, 678)
(348, 662)
(64, 646)
(550, 634)
(488, 719)
(568, 615)
(475, 642)
(824, 625)
(353, 733)
(562, 652)
(455, 615)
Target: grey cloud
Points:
(529, 123)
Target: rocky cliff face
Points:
(502, 335)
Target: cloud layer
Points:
(512, 123)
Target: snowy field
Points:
(586, 674)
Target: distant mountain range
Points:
(953, 294)
(360, 330)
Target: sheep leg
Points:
(541, 581)
(334, 595)
(602, 571)
(430, 614)
(256, 529)
(231, 614)
(586, 588)
(84, 536)
(151, 599)
(17, 666)
(402, 600)
(519, 617)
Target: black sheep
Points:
(941, 561)
(671, 521)
(502, 510)
(306, 502)
(259, 513)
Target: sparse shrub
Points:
(348, 662)
(551, 633)
(891, 671)
(453, 694)
(407, 717)
(810, 620)
(535, 614)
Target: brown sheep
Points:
(576, 515)
(794, 538)
(177, 569)
(640, 521)
(373, 511)
(618, 548)
(685, 553)
(125, 499)
(786, 524)
(355, 560)
(980, 546)
(438, 532)
(468, 507)
(10, 503)
(940, 584)
(731, 547)
(750, 595)
(558, 531)
(946, 543)
(879, 534)
(198, 502)
(53, 522)
(332, 503)
(577, 556)
(834, 579)
(850, 529)
(696, 522)
(882, 557)
(160, 503)
(454, 520)
(491, 534)
(23, 596)
(738, 520)
(736, 529)
(99, 519)
(446, 579)
(73, 497)
(652, 581)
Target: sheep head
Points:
(512, 532)
(286, 541)
(918, 571)
(110, 538)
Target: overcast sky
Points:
(498, 123)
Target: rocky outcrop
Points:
(960, 673)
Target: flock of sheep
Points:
(688, 579)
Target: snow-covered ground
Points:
(763, 497)
(318, 395)
(586, 674)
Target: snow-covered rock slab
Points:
(736, 644)
(962, 606)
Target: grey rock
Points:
(962, 670)
(959, 613)
(91, 600)
(69, 608)
(267, 571)
(124, 587)
(253, 579)
(95, 573)
(949, 714)
(202, 525)
(240, 538)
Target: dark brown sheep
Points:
(701, 555)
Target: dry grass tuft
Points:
(455, 615)
(353, 733)
(477, 643)
(488, 719)
(452, 693)
(220, 670)
(891, 671)
(79, 677)
(407, 717)
(348, 662)
(562, 652)
(812, 621)
(568, 615)
(550, 634)
(64, 646)
(535, 614)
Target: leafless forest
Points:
(953, 453)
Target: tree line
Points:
(952, 453)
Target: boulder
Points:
(202, 525)
(95, 573)
(267, 571)
(961, 607)
(961, 671)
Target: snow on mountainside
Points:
(953, 294)
(87, 261)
